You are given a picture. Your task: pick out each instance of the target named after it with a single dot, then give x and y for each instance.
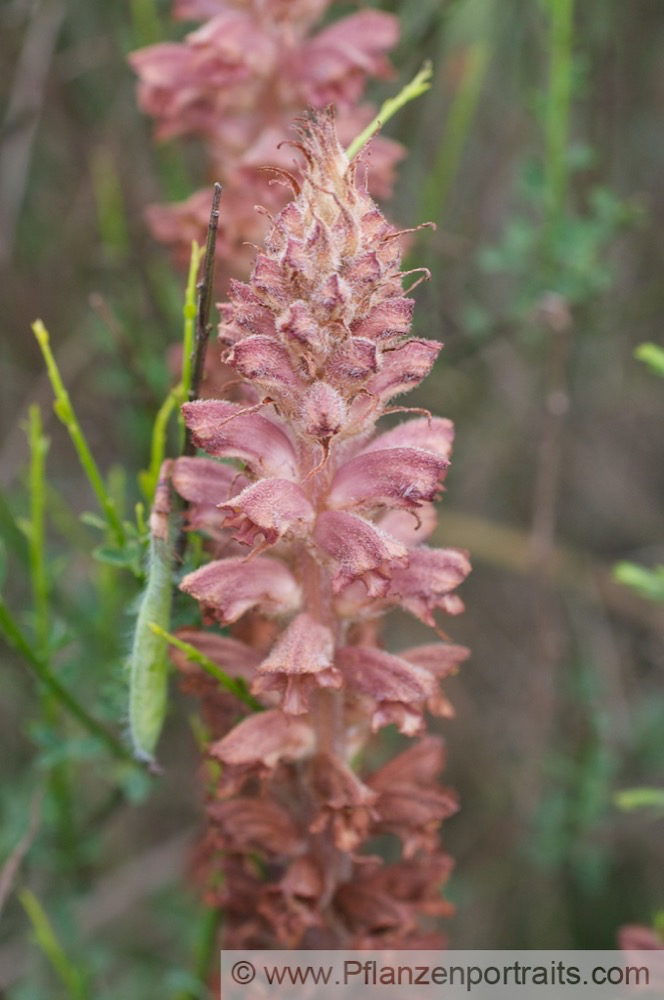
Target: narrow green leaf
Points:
(231, 684)
(72, 978)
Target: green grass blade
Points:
(72, 978)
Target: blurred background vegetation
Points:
(539, 153)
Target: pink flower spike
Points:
(221, 429)
(299, 662)
(229, 587)
(272, 508)
(360, 549)
(396, 477)
(426, 583)
(333, 66)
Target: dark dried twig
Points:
(201, 336)
(203, 325)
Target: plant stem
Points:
(202, 328)
(40, 589)
(419, 85)
(65, 413)
(558, 106)
(189, 312)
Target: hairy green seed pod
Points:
(148, 660)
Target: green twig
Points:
(72, 978)
(417, 86)
(230, 684)
(37, 542)
(558, 105)
(202, 327)
(65, 413)
(44, 674)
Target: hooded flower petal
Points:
(221, 429)
(299, 662)
(426, 583)
(410, 527)
(322, 412)
(263, 740)
(441, 658)
(403, 368)
(267, 363)
(394, 477)
(334, 65)
(435, 435)
(411, 803)
(345, 802)
(398, 688)
(272, 508)
(242, 825)
(388, 322)
(292, 906)
(361, 551)
(204, 481)
(229, 587)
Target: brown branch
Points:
(201, 336)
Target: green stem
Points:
(59, 777)
(45, 675)
(40, 590)
(65, 413)
(558, 106)
(235, 687)
(417, 86)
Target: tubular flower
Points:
(321, 335)
(236, 82)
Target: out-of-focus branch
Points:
(23, 114)
(580, 573)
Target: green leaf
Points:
(651, 355)
(639, 798)
(113, 556)
(649, 583)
